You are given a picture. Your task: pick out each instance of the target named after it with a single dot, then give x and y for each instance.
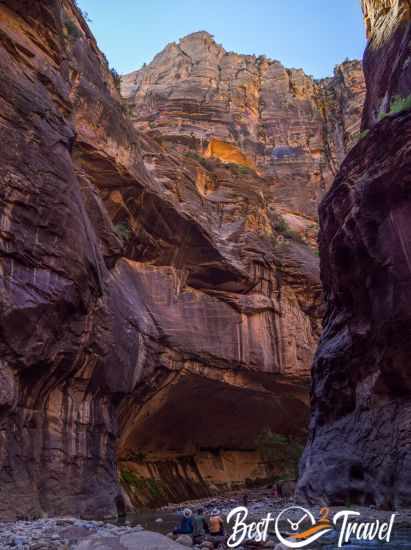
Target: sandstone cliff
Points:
(359, 449)
(150, 298)
(252, 110)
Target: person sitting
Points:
(216, 528)
(186, 525)
(200, 527)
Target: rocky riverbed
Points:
(147, 530)
(261, 501)
(77, 534)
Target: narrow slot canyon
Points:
(168, 330)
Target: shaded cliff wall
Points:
(130, 270)
(388, 27)
(359, 450)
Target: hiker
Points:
(200, 527)
(216, 528)
(216, 524)
(186, 525)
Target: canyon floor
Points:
(148, 529)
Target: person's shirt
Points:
(216, 524)
(187, 525)
(200, 526)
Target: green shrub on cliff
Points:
(85, 15)
(280, 451)
(282, 227)
(242, 169)
(239, 169)
(205, 163)
(123, 231)
(131, 478)
(398, 105)
(146, 487)
(116, 78)
(361, 135)
(72, 30)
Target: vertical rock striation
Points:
(359, 450)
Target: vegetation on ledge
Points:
(280, 451)
(282, 227)
(122, 231)
(398, 105)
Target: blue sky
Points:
(312, 34)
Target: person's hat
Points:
(187, 513)
(215, 512)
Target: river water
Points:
(401, 540)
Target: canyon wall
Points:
(152, 295)
(242, 108)
(359, 449)
(387, 57)
(251, 124)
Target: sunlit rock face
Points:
(288, 126)
(359, 450)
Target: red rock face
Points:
(136, 278)
(359, 447)
(290, 127)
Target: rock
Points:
(233, 107)
(148, 541)
(142, 540)
(139, 282)
(361, 412)
(286, 489)
(159, 520)
(385, 61)
(185, 540)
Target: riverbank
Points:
(77, 534)
(260, 502)
(147, 530)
